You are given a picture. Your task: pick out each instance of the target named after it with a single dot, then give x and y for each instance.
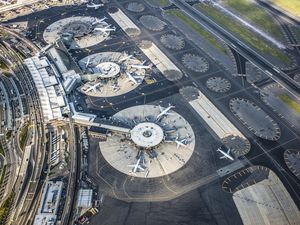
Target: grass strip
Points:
(164, 2)
(246, 35)
(196, 27)
(257, 15)
(23, 136)
(3, 171)
(291, 6)
(290, 102)
(4, 209)
(2, 150)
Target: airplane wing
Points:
(131, 78)
(141, 168)
(160, 108)
(228, 152)
(223, 157)
(87, 62)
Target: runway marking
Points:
(124, 189)
(174, 85)
(97, 172)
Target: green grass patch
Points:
(196, 27)
(3, 66)
(4, 209)
(2, 150)
(291, 6)
(23, 136)
(246, 35)
(255, 14)
(3, 171)
(297, 32)
(164, 2)
(8, 134)
(290, 102)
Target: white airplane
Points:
(5, 2)
(105, 29)
(131, 78)
(142, 66)
(115, 88)
(125, 58)
(93, 88)
(226, 155)
(180, 142)
(164, 111)
(87, 63)
(95, 6)
(136, 166)
(99, 21)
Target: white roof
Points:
(42, 63)
(51, 197)
(69, 84)
(49, 90)
(85, 198)
(50, 81)
(71, 74)
(44, 219)
(147, 134)
(58, 61)
(82, 117)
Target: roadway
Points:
(74, 177)
(262, 151)
(17, 5)
(252, 56)
(293, 41)
(11, 152)
(163, 94)
(279, 12)
(34, 184)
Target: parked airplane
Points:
(180, 142)
(87, 63)
(170, 130)
(5, 2)
(226, 155)
(136, 167)
(105, 29)
(99, 21)
(131, 78)
(101, 70)
(93, 88)
(95, 6)
(115, 88)
(142, 66)
(164, 111)
(125, 58)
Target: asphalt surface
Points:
(244, 50)
(207, 203)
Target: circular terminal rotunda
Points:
(160, 142)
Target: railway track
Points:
(34, 108)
